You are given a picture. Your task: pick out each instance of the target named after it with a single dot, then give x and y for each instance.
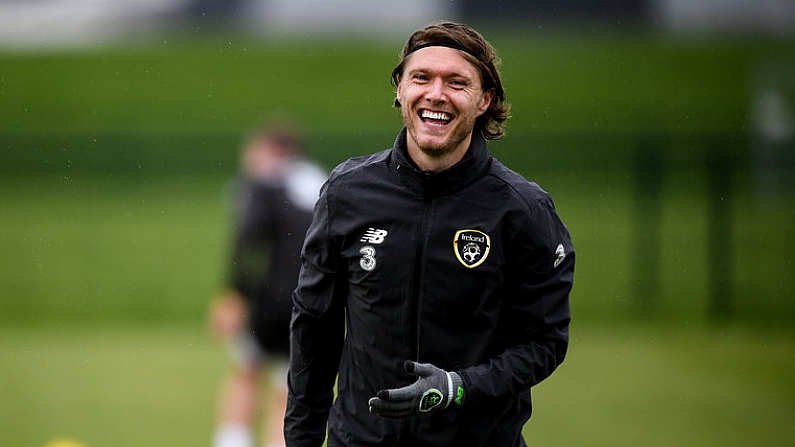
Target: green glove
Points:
(434, 390)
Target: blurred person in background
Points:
(435, 281)
(273, 200)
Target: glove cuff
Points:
(456, 393)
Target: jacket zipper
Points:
(422, 232)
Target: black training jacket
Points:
(469, 269)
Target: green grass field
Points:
(106, 280)
(113, 229)
(644, 385)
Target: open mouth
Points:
(437, 118)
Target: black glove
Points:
(435, 389)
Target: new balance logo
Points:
(374, 236)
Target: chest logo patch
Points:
(471, 247)
(374, 236)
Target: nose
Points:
(435, 91)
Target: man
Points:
(273, 208)
(435, 281)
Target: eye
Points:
(458, 83)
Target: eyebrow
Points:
(447, 76)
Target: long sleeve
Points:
(536, 317)
(317, 331)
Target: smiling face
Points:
(441, 96)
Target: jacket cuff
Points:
(458, 393)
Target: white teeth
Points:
(435, 115)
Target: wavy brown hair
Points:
(479, 53)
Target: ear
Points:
(397, 104)
(488, 95)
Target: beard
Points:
(438, 142)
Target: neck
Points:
(436, 160)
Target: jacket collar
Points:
(472, 166)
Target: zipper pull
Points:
(427, 184)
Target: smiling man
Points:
(435, 281)
(441, 96)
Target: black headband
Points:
(446, 44)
